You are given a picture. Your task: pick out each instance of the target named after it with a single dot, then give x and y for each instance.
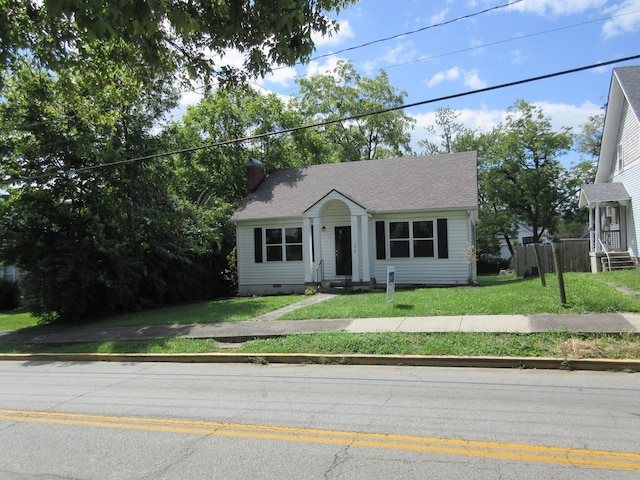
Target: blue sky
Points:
(527, 39)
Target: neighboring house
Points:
(9, 273)
(349, 221)
(614, 199)
(524, 237)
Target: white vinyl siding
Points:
(286, 276)
(629, 138)
(264, 273)
(454, 270)
(628, 141)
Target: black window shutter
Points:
(443, 239)
(257, 240)
(381, 253)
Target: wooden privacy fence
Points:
(574, 254)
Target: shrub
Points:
(9, 295)
(487, 264)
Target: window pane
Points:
(274, 236)
(293, 235)
(399, 249)
(294, 252)
(423, 248)
(423, 229)
(399, 230)
(274, 254)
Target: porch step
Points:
(346, 286)
(617, 261)
(338, 286)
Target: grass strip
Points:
(560, 344)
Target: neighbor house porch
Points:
(608, 205)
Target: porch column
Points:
(366, 262)
(597, 229)
(355, 257)
(317, 243)
(306, 249)
(592, 231)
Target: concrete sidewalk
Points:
(268, 326)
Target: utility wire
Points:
(333, 121)
(356, 47)
(398, 35)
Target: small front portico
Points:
(608, 205)
(336, 232)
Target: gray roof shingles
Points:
(629, 78)
(603, 192)
(438, 182)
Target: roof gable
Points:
(625, 87)
(405, 184)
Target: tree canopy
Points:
(189, 36)
(344, 93)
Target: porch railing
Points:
(611, 239)
(320, 271)
(605, 249)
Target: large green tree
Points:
(523, 171)
(343, 94)
(587, 143)
(189, 36)
(452, 134)
(93, 232)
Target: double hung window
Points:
(411, 239)
(281, 244)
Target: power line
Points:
(333, 121)
(490, 44)
(404, 34)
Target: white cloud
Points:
(626, 19)
(369, 67)
(477, 45)
(556, 7)
(516, 57)
(345, 31)
(482, 119)
(470, 78)
(403, 52)
(446, 76)
(566, 115)
(316, 68)
(485, 119)
(439, 17)
(280, 75)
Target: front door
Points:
(343, 250)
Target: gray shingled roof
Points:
(405, 184)
(603, 192)
(630, 82)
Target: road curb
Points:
(548, 363)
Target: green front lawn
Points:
(215, 311)
(505, 295)
(586, 293)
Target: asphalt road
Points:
(232, 421)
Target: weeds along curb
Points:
(548, 363)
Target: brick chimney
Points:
(255, 174)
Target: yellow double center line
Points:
(498, 450)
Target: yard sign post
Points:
(391, 284)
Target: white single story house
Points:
(348, 222)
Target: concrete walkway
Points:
(268, 325)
